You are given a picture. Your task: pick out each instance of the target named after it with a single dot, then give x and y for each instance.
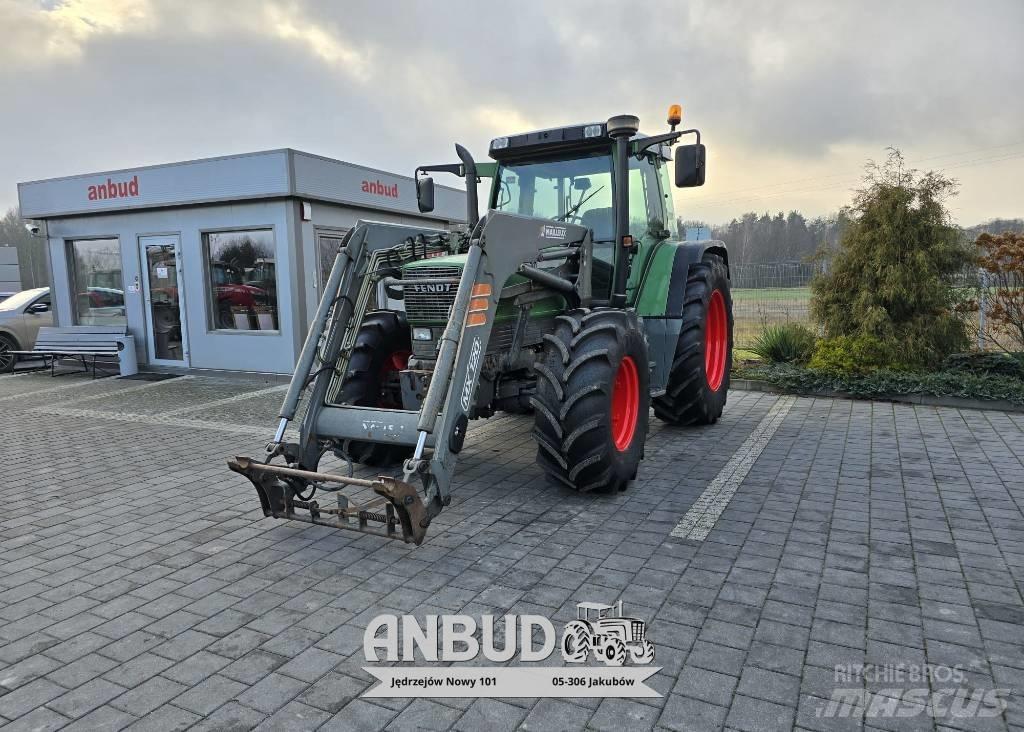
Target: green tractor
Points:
(571, 299)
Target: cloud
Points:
(782, 90)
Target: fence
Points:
(780, 292)
(770, 294)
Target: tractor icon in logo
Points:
(612, 638)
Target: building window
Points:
(327, 245)
(242, 280)
(95, 268)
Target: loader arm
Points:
(501, 246)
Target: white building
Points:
(215, 263)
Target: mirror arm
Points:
(670, 138)
(454, 168)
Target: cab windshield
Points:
(578, 191)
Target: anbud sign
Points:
(114, 189)
(380, 189)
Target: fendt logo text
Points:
(440, 288)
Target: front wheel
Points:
(381, 350)
(643, 652)
(7, 357)
(699, 379)
(592, 401)
(614, 652)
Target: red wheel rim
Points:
(625, 404)
(394, 363)
(716, 341)
(397, 361)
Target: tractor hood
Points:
(449, 260)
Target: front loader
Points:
(571, 299)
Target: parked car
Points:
(5, 295)
(21, 317)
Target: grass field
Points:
(755, 308)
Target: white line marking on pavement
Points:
(130, 389)
(706, 510)
(157, 420)
(78, 385)
(225, 400)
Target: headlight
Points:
(422, 334)
(592, 131)
(499, 143)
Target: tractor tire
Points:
(382, 347)
(593, 398)
(699, 379)
(642, 653)
(7, 358)
(613, 652)
(576, 642)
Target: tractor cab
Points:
(595, 611)
(604, 176)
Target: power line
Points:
(718, 197)
(850, 180)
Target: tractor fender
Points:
(663, 324)
(689, 253)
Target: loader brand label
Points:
(547, 231)
(471, 370)
(605, 654)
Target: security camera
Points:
(32, 229)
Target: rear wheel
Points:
(576, 642)
(699, 379)
(7, 358)
(592, 402)
(381, 350)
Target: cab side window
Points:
(646, 206)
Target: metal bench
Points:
(102, 344)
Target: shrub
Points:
(891, 278)
(884, 383)
(1002, 259)
(859, 354)
(998, 364)
(788, 343)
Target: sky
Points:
(792, 98)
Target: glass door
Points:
(162, 279)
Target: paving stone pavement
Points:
(141, 588)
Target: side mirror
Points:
(425, 194)
(39, 307)
(690, 166)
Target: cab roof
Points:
(586, 136)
